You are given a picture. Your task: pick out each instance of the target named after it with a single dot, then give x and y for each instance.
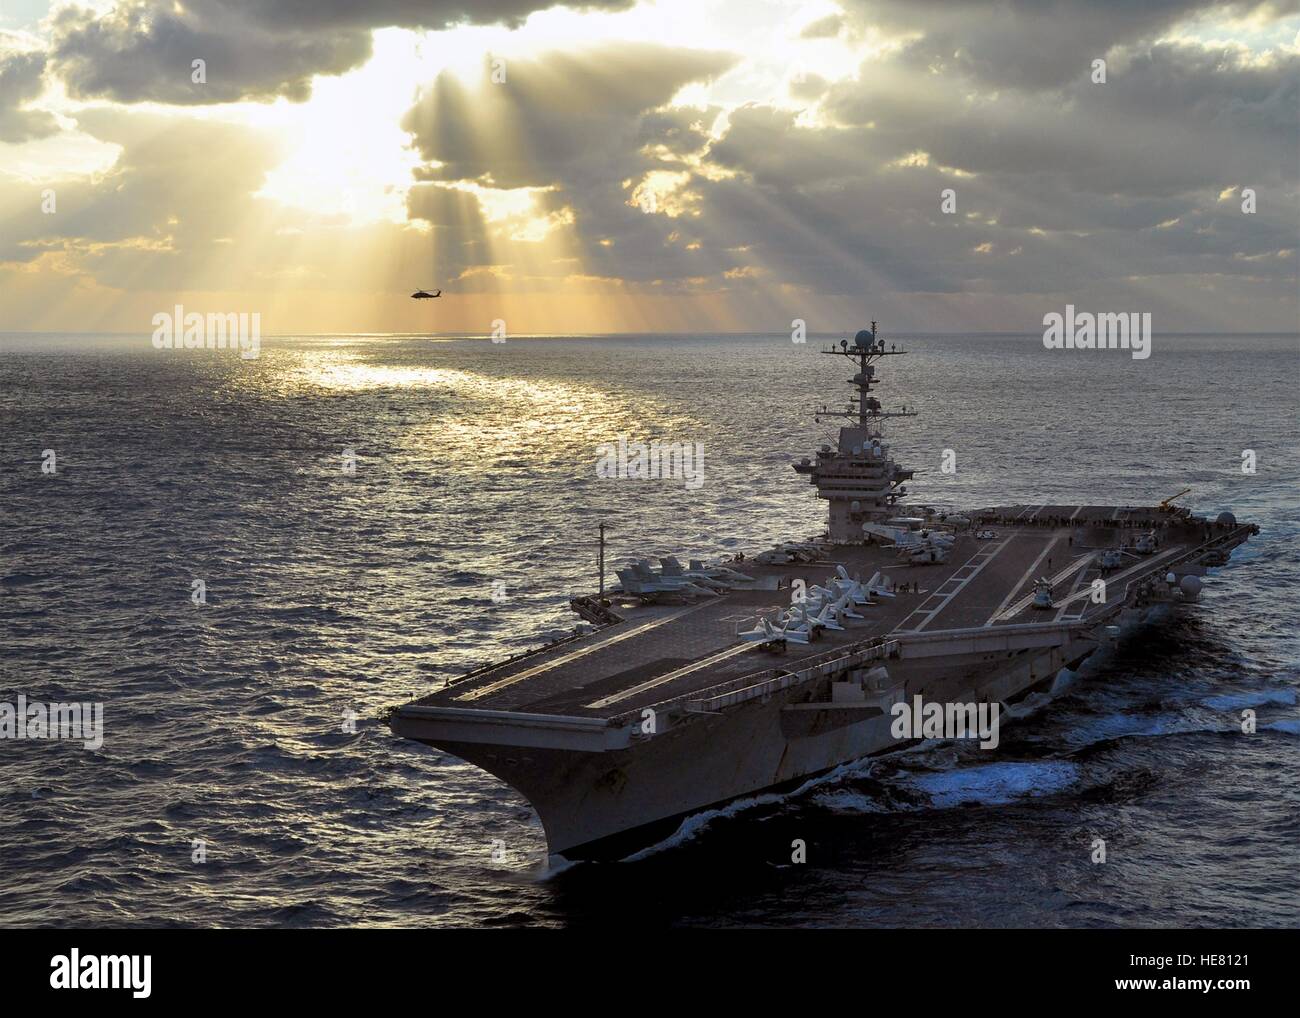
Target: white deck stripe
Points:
(988, 553)
(1023, 603)
(1145, 564)
(662, 680)
(1028, 573)
(1074, 587)
(528, 673)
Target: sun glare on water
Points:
(475, 418)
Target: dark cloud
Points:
(676, 132)
(20, 82)
(459, 232)
(588, 126)
(145, 52)
(1176, 117)
(427, 14)
(767, 145)
(254, 49)
(1021, 44)
(1091, 185)
(557, 118)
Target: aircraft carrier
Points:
(696, 685)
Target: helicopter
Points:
(425, 295)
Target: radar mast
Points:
(858, 478)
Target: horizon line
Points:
(462, 334)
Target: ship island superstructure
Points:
(857, 477)
(692, 686)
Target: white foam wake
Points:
(996, 784)
(696, 822)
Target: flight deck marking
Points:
(1020, 582)
(1075, 616)
(987, 553)
(1023, 603)
(1083, 595)
(1145, 564)
(1077, 510)
(528, 673)
(670, 677)
(1073, 590)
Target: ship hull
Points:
(609, 804)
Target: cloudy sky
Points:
(623, 165)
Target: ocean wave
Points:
(20, 579)
(1257, 698)
(222, 719)
(695, 824)
(996, 784)
(846, 800)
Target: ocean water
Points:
(333, 595)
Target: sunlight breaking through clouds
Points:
(720, 162)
